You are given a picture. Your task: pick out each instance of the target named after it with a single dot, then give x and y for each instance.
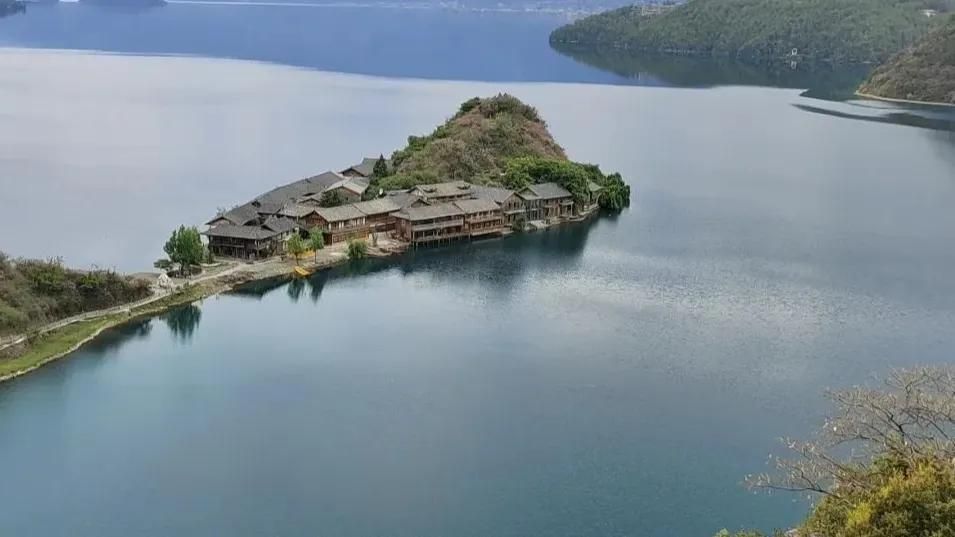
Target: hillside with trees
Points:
(496, 141)
(925, 72)
(761, 31)
(35, 292)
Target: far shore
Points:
(903, 101)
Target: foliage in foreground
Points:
(34, 292)
(295, 245)
(761, 31)
(884, 465)
(357, 249)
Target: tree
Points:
(357, 249)
(883, 464)
(331, 198)
(381, 168)
(316, 241)
(295, 245)
(185, 248)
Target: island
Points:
(922, 73)
(760, 31)
(491, 170)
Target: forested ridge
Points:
(763, 31)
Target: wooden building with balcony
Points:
(379, 213)
(482, 217)
(512, 206)
(250, 241)
(341, 223)
(430, 224)
(547, 201)
(444, 192)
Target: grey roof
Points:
(477, 206)
(267, 207)
(240, 232)
(356, 185)
(377, 206)
(405, 199)
(340, 213)
(326, 179)
(594, 187)
(297, 210)
(240, 215)
(280, 225)
(364, 168)
(444, 190)
(547, 191)
(495, 194)
(428, 212)
(300, 188)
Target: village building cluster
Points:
(425, 214)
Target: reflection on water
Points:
(821, 81)
(113, 339)
(183, 321)
(550, 249)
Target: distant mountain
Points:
(761, 31)
(925, 72)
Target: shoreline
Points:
(902, 101)
(66, 339)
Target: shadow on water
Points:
(498, 261)
(822, 82)
(916, 116)
(183, 321)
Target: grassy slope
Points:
(474, 145)
(761, 31)
(925, 72)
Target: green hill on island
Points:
(761, 31)
(925, 72)
(496, 141)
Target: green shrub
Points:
(357, 249)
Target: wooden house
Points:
(482, 217)
(512, 206)
(430, 223)
(365, 168)
(250, 241)
(341, 223)
(547, 201)
(379, 213)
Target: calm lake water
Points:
(612, 379)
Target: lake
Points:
(616, 378)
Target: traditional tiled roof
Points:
(239, 216)
(267, 207)
(594, 187)
(280, 225)
(443, 190)
(404, 199)
(363, 168)
(477, 206)
(340, 213)
(354, 184)
(377, 206)
(297, 210)
(547, 191)
(241, 232)
(427, 212)
(495, 194)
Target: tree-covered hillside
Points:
(497, 141)
(925, 72)
(34, 292)
(762, 31)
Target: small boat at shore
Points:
(301, 271)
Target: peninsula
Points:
(922, 73)
(492, 169)
(760, 31)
